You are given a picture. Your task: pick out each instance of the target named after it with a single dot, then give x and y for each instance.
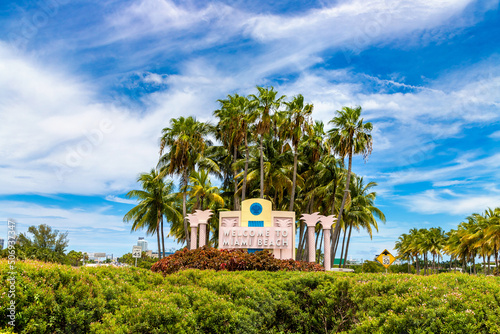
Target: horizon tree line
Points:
(477, 236)
(265, 147)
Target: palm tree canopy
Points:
(350, 134)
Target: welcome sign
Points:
(257, 227)
(265, 238)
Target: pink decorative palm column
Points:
(311, 220)
(327, 222)
(193, 222)
(203, 217)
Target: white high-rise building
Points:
(143, 243)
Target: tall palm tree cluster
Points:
(261, 146)
(477, 236)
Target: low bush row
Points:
(230, 260)
(54, 298)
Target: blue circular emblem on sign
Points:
(256, 209)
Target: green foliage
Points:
(144, 261)
(54, 298)
(75, 258)
(42, 243)
(230, 260)
(369, 267)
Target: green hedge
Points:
(59, 299)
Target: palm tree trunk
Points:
(489, 268)
(299, 248)
(433, 263)
(158, 237)
(294, 180)
(346, 191)
(333, 201)
(342, 250)
(184, 210)
(261, 169)
(484, 263)
(496, 256)
(347, 246)
(417, 264)
(247, 157)
(426, 270)
(235, 196)
(335, 245)
(306, 249)
(302, 244)
(162, 236)
(321, 243)
(316, 246)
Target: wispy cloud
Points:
(447, 202)
(460, 168)
(495, 135)
(117, 199)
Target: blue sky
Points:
(87, 86)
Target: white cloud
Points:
(460, 168)
(495, 135)
(449, 183)
(117, 199)
(446, 202)
(90, 229)
(56, 137)
(354, 25)
(62, 219)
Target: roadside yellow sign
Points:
(386, 258)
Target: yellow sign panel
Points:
(386, 258)
(256, 212)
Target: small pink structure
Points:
(203, 216)
(193, 222)
(311, 220)
(327, 222)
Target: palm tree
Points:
(492, 231)
(294, 128)
(277, 171)
(231, 130)
(415, 248)
(452, 247)
(465, 231)
(155, 200)
(185, 139)
(436, 244)
(329, 173)
(264, 103)
(348, 137)
(403, 248)
(201, 189)
(361, 211)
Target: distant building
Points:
(1, 244)
(143, 243)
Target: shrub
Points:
(230, 260)
(54, 298)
